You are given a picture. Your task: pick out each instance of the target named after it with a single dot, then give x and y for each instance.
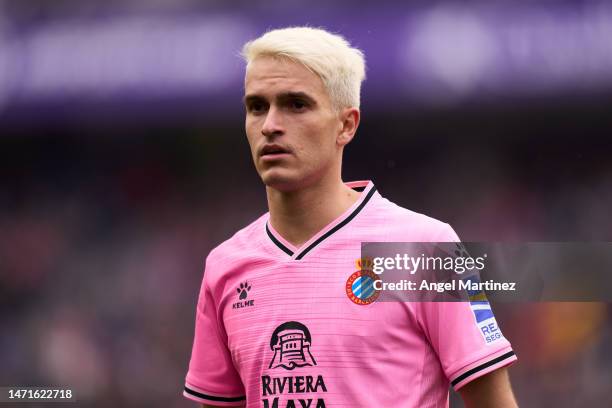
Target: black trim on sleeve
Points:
(481, 367)
(339, 225)
(278, 243)
(213, 398)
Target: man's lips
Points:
(273, 150)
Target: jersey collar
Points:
(367, 190)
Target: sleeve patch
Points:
(485, 320)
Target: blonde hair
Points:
(330, 56)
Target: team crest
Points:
(360, 285)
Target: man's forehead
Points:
(272, 80)
(267, 72)
(282, 92)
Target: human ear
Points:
(349, 122)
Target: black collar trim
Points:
(323, 237)
(339, 225)
(277, 242)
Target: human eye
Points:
(298, 105)
(256, 106)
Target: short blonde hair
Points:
(330, 56)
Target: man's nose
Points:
(272, 125)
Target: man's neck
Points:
(297, 216)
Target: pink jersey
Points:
(275, 326)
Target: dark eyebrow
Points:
(297, 95)
(252, 98)
(283, 96)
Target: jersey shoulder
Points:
(245, 244)
(403, 224)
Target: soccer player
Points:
(276, 324)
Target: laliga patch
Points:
(483, 314)
(485, 320)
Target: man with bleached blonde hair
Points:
(283, 319)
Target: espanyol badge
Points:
(360, 285)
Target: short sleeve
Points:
(212, 378)
(465, 335)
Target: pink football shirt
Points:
(275, 326)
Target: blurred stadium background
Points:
(124, 161)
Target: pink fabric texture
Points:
(275, 327)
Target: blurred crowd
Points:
(105, 230)
(114, 187)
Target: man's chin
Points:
(280, 182)
(284, 186)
